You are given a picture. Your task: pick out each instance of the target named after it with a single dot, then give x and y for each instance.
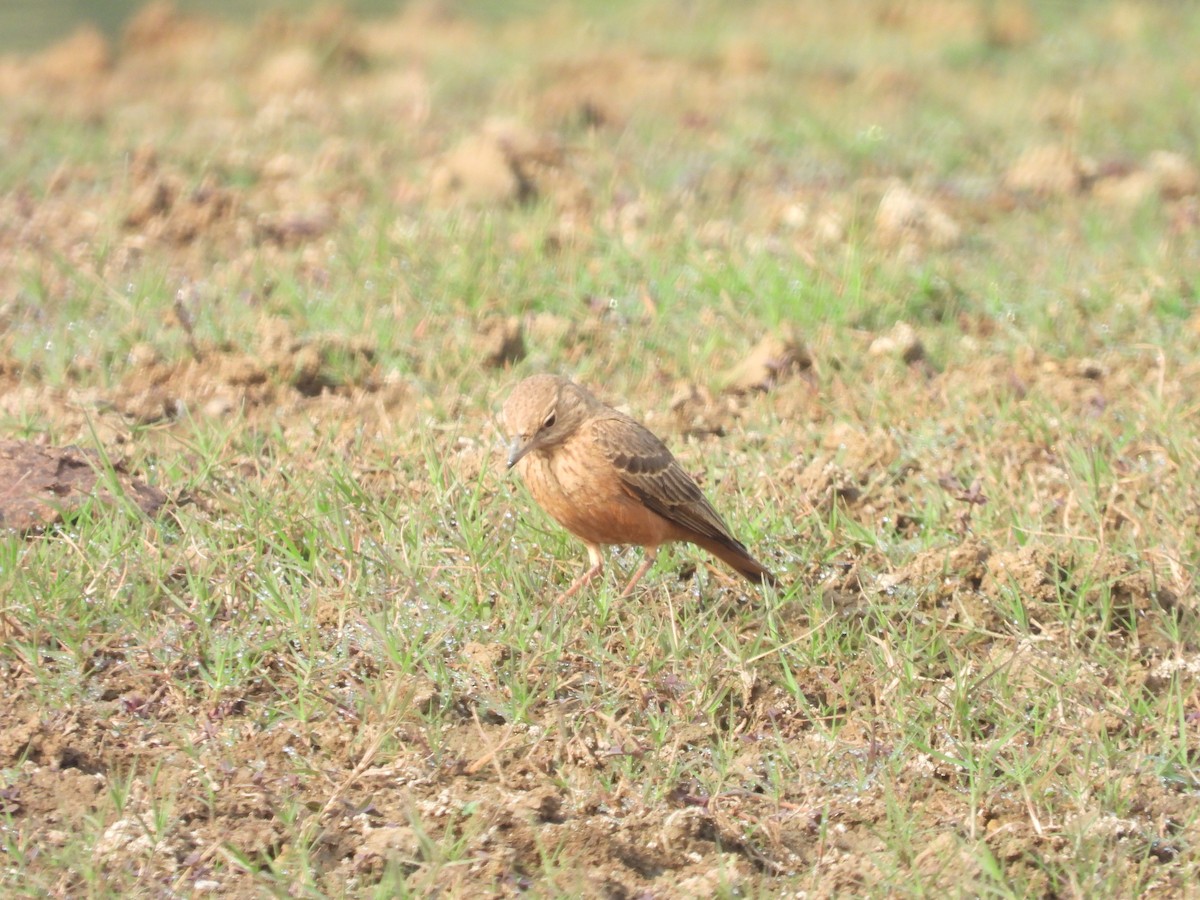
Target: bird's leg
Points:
(651, 555)
(597, 564)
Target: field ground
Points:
(910, 287)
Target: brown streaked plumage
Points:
(606, 479)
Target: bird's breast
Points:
(580, 488)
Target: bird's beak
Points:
(516, 450)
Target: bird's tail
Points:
(737, 557)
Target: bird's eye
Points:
(549, 423)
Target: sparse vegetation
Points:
(910, 288)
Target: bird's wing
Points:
(652, 474)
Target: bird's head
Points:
(542, 412)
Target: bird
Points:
(608, 480)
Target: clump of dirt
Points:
(1164, 175)
(40, 485)
(217, 381)
(908, 221)
(902, 342)
(696, 412)
(774, 358)
(160, 29)
(77, 60)
(1051, 170)
(945, 571)
(500, 341)
(161, 206)
(825, 482)
(608, 89)
(505, 163)
(1028, 573)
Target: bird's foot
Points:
(637, 576)
(579, 582)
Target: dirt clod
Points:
(902, 342)
(905, 218)
(1052, 170)
(500, 342)
(39, 485)
(774, 358)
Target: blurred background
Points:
(31, 24)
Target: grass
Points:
(334, 665)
